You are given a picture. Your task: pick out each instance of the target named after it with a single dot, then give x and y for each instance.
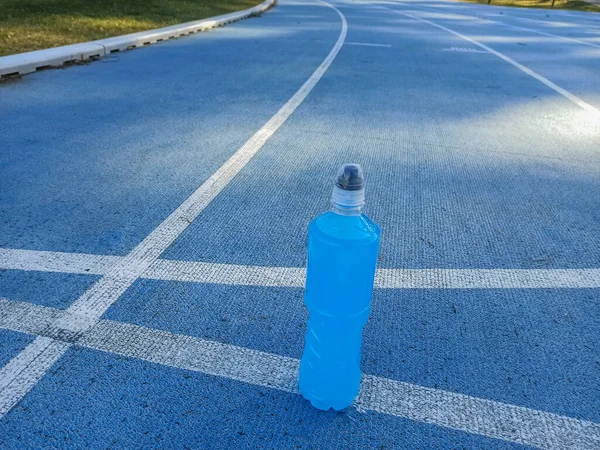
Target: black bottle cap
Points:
(350, 178)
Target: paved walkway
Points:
(153, 213)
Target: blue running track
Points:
(479, 131)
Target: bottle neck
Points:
(347, 203)
(343, 211)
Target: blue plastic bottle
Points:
(342, 255)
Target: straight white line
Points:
(586, 26)
(243, 275)
(198, 272)
(23, 372)
(463, 50)
(232, 274)
(442, 408)
(487, 278)
(595, 113)
(45, 261)
(191, 353)
(545, 34)
(366, 44)
(477, 416)
(469, 14)
(90, 306)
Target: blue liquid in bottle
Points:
(342, 254)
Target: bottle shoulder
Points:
(358, 227)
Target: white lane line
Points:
(366, 44)
(23, 372)
(595, 113)
(487, 278)
(191, 353)
(485, 19)
(561, 24)
(46, 261)
(99, 298)
(477, 416)
(545, 34)
(232, 274)
(442, 408)
(90, 306)
(198, 272)
(243, 275)
(463, 50)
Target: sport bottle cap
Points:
(349, 188)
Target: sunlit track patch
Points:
(592, 112)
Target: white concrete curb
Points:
(24, 63)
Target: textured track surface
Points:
(478, 132)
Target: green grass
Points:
(576, 5)
(27, 25)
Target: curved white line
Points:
(23, 372)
